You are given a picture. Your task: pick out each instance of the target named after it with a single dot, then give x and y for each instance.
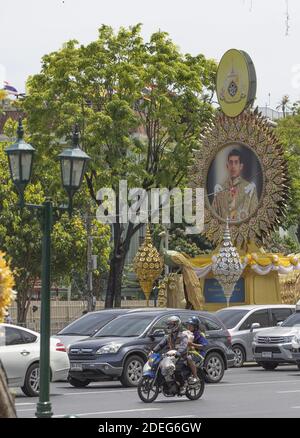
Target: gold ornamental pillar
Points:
(147, 265)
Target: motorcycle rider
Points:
(174, 340)
(194, 325)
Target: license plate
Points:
(266, 354)
(76, 367)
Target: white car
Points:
(20, 354)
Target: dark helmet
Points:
(194, 321)
(173, 324)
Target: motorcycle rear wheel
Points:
(194, 393)
(148, 393)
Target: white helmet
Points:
(173, 324)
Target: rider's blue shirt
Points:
(199, 338)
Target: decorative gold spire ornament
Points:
(227, 266)
(148, 265)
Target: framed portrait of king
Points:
(234, 184)
(243, 171)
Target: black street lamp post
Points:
(73, 163)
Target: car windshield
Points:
(231, 317)
(88, 324)
(133, 325)
(292, 321)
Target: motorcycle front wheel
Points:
(146, 391)
(195, 392)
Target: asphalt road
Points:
(246, 392)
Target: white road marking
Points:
(287, 392)
(252, 383)
(110, 412)
(26, 410)
(23, 404)
(100, 392)
(182, 416)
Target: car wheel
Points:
(239, 356)
(132, 371)
(78, 383)
(214, 367)
(32, 381)
(269, 366)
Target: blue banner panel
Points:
(213, 292)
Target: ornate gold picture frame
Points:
(253, 132)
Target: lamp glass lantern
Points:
(20, 159)
(73, 163)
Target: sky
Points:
(31, 28)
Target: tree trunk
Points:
(121, 247)
(24, 289)
(114, 284)
(119, 267)
(298, 232)
(7, 406)
(110, 292)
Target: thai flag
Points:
(10, 89)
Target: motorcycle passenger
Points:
(196, 351)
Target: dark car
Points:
(89, 324)
(120, 349)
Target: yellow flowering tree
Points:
(6, 286)
(7, 408)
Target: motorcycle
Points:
(163, 374)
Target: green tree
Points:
(20, 237)
(285, 245)
(284, 104)
(288, 132)
(141, 107)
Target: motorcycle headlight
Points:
(296, 342)
(147, 367)
(109, 348)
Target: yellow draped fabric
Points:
(264, 259)
(191, 281)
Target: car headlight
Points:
(109, 348)
(296, 342)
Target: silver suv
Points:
(274, 346)
(244, 322)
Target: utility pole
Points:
(167, 226)
(90, 300)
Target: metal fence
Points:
(273, 114)
(64, 312)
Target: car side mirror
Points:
(255, 325)
(279, 323)
(159, 333)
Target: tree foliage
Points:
(20, 236)
(288, 131)
(141, 107)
